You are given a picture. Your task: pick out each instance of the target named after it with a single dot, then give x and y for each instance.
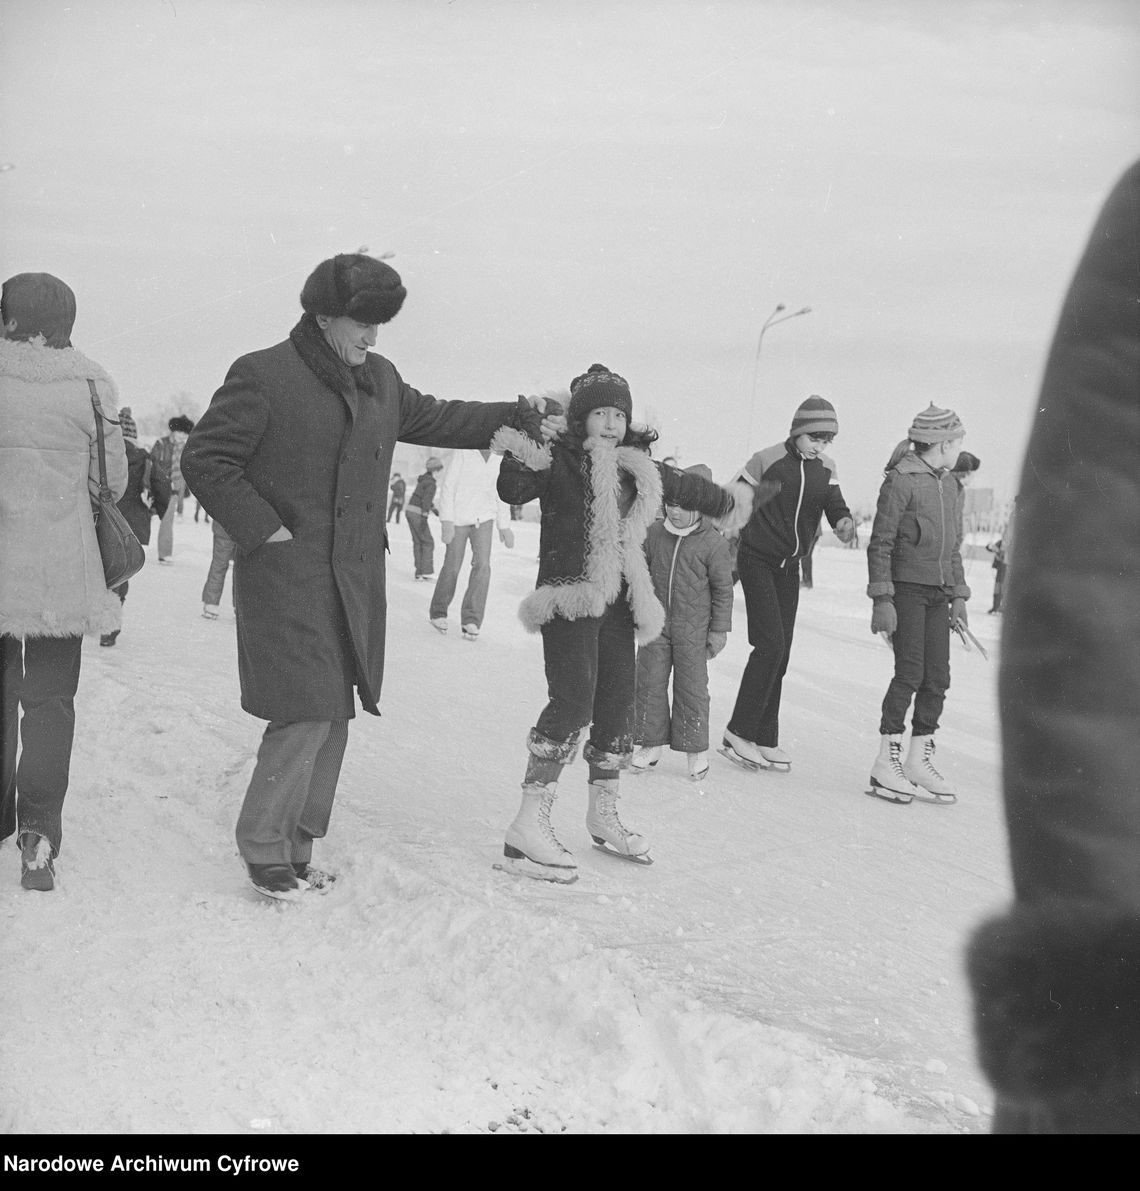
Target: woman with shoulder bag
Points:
(52, 584)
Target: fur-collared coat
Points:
(1057, 979)
(279, 445)
(597, 503)
(51, 575)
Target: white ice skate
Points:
(698, 766)
(470, 632)
(743, 752)
(531, 848)
(920, 769)
(776, 758)
(645, 759)
(887, 778)
(607, 830)
(439, 623)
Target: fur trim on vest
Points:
(614, 544)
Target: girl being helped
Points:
(599, 492)
(914, 568)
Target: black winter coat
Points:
(133, 503)
(278, 446)
(424, 495)
(1057, 979)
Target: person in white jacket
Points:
(52, 590)
(469, 511)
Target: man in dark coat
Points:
(1057, 978)
(292, 458)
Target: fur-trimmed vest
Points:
(51, 575)
(598, 502)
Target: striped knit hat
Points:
(130, 430)
(814, 416)
(935, 425)
(598, 388)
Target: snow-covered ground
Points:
(792, 962)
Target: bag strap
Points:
(105, 492)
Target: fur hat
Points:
(356, 286)
(41, 305)
(180, 422)
(935, 425)
(966, 463)
(598, 388)
(815, 416)
(130, 430)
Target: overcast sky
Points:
(634, 183)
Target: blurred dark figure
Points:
(963, 470)
(1057, 978)
(997, 549)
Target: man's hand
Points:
(716, 643)
(958, 617)
(447, 531)
(553, 416)
(884, 618)
(278, 535)
(507, 537)
(845, 531)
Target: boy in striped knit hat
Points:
(915, 578)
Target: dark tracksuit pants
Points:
(922, 659)
(41, 675)
(772, 597)
(423, 544)
(590, 675)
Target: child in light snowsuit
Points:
(691, 566)
(914, 568)
(599, 492)
(775, 540)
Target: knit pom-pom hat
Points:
(935, 425)
(816, 415)
(356, 286)
(599, 388)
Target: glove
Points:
(845, 530)
(507, 537)
(541, 417)
(884, 618)
(446, 531)
(716, 643)
(958, 613)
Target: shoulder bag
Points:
(122, 553)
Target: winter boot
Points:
(278, 881)
(109, 638)
(919, 767)
(698, 766)
(531, 847)
(776, 757)
(313, 878)
(645, 759)
(743, 752)
(887, 778)
(607, 830)
(36, 868)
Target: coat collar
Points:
(37, 364)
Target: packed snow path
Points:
(792, 962)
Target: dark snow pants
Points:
(772, 597)
(590, 674)
(41, 675)
(423, 544)
(290, 795)
(922, 660)
(685, 727)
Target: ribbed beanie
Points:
(935, 425)
(814, 416)
(597, 388)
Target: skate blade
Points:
(877, 791)
(937, 799)
(523, 866)
(602, 846)
(640, 770)
(697, 778)
(737, 759)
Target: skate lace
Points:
(547, 828)
(927, 761)
(897, 761)
(607, 812)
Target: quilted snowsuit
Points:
(1056, 979)
(692, 576)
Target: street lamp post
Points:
(777, 316)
